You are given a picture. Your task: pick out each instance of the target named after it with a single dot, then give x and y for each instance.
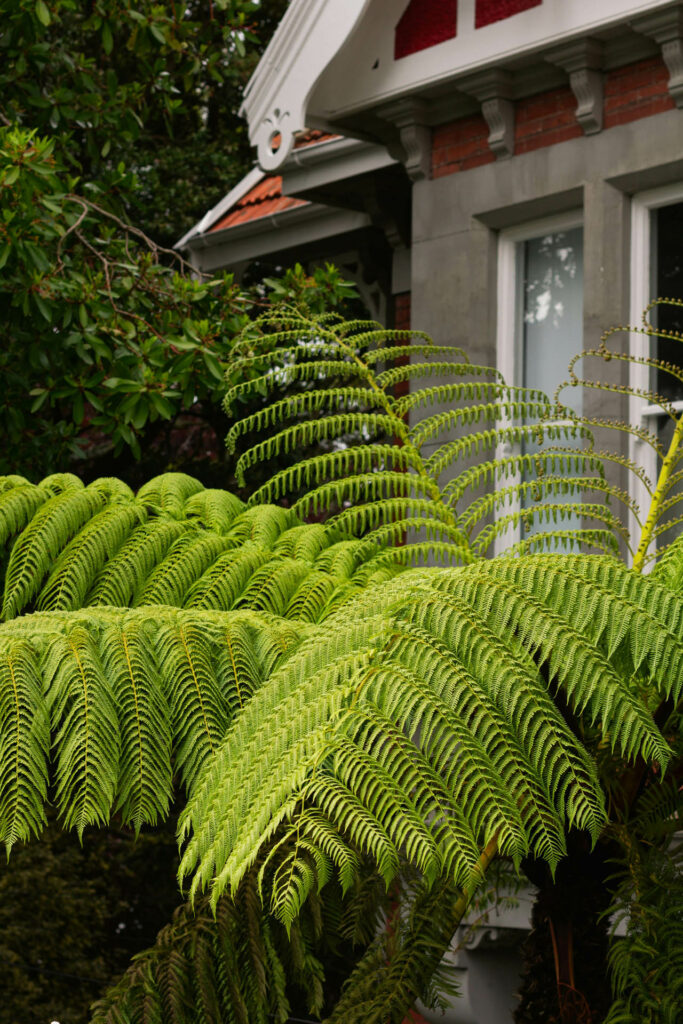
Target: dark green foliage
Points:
(107, 338)
(336, 715)
(72, 915)
(153, 87)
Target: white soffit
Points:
(364, 73)
(332, 160)
(276, 96)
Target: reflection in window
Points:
(550, 324)
(551, 307)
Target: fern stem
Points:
(658, 497)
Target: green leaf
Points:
(107, 44)
(42, 13)
(213, 366)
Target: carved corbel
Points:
(582, 60)
(493, 89)
(666, 28)
(410, 118)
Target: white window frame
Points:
(509, 339)
(643, 204)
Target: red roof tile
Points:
(266, 198)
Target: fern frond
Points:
(312, 472)
(310, 402)
(169, 492)
(405, 766)
(311, 432)
(24, 744)
(187, 560)
(52, 526)
(83, 707)
(144, 784)
(77, 567)
(213, 509)
(121, 579)
(235, 967)
(362, 487)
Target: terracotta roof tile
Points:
(247, 210)
(266, 198)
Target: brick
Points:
(490, 11)
(423, 24)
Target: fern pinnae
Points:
(123, 577)
(310, 432)
(336, 400)
(53, 524)
(78, 565)
(83, 707)
(145, 784)
(355, 460)
(221, 585)
(200, 717)
(362, 486)
(169, 493)
(17, 506)
(24, 744)
(213, 509)
(187, 558)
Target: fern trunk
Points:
(565, 976)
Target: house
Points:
(506, 175)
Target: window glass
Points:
(551, 307)
(550, 331)
(666, 262)
(667, 282)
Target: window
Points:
(540, 306)
(656, 271)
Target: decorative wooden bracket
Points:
(410, 117)
(582, 60)
(493, 89)
(666, 28)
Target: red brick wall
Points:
(488, 11)
(402, 323)
(545, 119)
(402, 311)
(637, 90)
(460, 145)
(424, 23)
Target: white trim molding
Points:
(252, 178)
(640, 412)
(276, 97)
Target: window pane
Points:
(552, 307)
(550, 293)
(667, 283)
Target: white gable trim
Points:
(275, 99)
(254, 176)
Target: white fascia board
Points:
(364, 74)
(276, 96)
(286, 229)
(252, 178)
(330, 161)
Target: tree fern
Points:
(130, 699)
(466, 645)
(175, 543)
(462, 411)
(334, 713)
